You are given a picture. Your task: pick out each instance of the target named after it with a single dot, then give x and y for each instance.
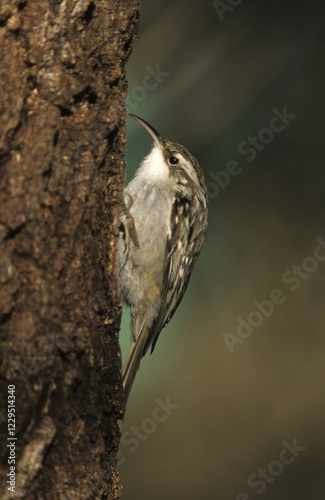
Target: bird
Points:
(163, 228)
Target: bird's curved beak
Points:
(149, 128)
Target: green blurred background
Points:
(222, 70)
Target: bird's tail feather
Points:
(132, 363)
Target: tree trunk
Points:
(62, 148)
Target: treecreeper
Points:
(163, 228)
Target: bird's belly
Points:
(151, 220)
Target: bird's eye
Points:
(173, 160)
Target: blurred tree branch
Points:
(62, 148)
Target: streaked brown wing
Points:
(183, 245)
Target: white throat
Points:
(153, 167)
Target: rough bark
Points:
(62, 148)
